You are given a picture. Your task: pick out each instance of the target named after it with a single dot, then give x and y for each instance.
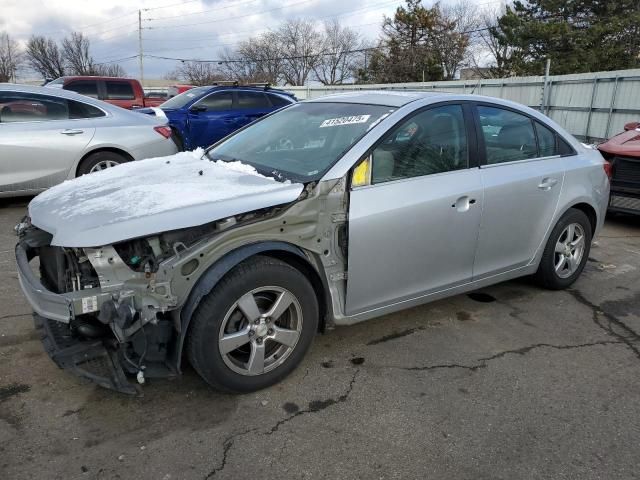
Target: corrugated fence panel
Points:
(591, 106)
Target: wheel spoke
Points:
(559, 247)
(255, 365)
(573, 263)
(248, 306)
(578, 242)
(230, 342)
(571, 231)
(561, 264)
(281, 305)
(285, 336)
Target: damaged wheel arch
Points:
(287, 252)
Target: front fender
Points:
(209, 279)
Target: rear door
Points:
(522, 175)
(41, 136)
(251, 106)
(211, 118)
(122, 94)
(413, 228)
(90, 88)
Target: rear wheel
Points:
(254, 327)
(566, 252)
(100, 161)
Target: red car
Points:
(123, 92)
(623, 152)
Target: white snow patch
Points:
(154, 185)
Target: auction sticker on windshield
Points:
(334, 122)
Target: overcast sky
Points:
(190, 29)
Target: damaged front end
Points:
(100, 311)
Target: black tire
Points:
(96, 158)
(203, 347)
(546, 276)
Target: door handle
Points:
(547, 183)
(463, 203)
(70, 131)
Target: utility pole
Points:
(140, 55)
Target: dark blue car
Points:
(201, 116)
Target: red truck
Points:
(123, 92)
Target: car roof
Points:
(390, 98)
(56, 92)
(252, 88)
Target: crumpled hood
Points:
(626, 143)
(151, 196)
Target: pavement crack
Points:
(628, 339)
(483, 362)
(226, 447)
(15, 315)
(314, 406)
(317, 405)
(393, 336)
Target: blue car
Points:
(201, 116)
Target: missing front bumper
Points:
(89, 359)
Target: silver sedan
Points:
(49, 136)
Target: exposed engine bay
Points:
(134, 318)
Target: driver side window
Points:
(433, 141)
(217, 101)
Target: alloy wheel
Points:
(260, 330)
(569, 250)
(103, 165)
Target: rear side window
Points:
(84, 87)
(546, 141)
(508, 136)
(278, 101)
(217, 101)
(30, 107)
(119, 91)
(82, 110)
(253, 100)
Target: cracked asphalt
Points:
(510, 382)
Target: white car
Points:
(48, 136)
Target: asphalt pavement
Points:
(511, 382)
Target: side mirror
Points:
(198, 108)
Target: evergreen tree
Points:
(576, 35)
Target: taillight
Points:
(608, 169)
(163, 130)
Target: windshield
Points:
(303, 141)
(181, 100)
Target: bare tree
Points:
(75, 51)
(339, 55)
(258, 59)
(200, 73)
(452, 35)
(108, 70)
(11, 58)
(493, 52)
(44, 56)
(301, 47)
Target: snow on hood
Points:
(152, 196)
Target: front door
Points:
(38, 140)
(211, 119)
(522, 179)
(413, 228)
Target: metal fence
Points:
(592, 106)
